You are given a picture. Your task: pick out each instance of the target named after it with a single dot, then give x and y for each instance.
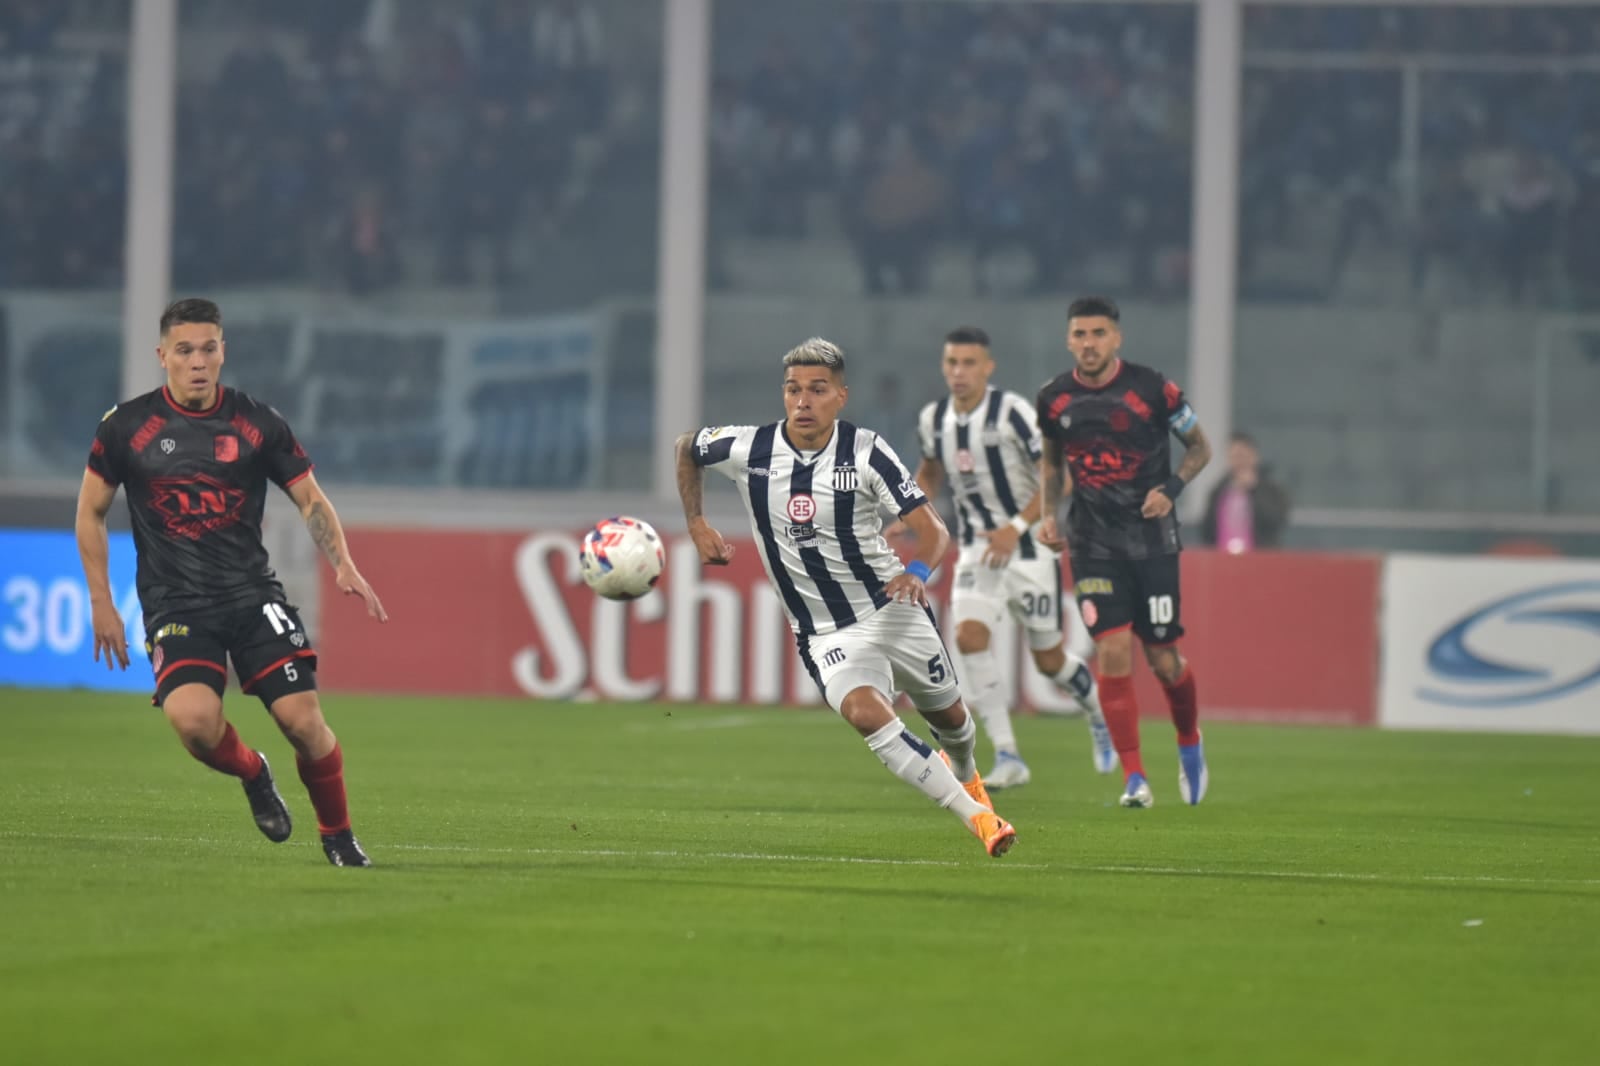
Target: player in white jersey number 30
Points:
(985, 443)
(814, 488)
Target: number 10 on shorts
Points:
(1160, 610)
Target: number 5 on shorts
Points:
(936, 670)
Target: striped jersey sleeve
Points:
(721, 448)
(897, 490)
(928, 432)
(1022, 421)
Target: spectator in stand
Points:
(1249, 509)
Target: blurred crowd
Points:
(1060, 132)
(1040, 128)
(342, 143)
(360, 144)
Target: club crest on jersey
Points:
(844, 479)
(168, 445)
(226, 449)
(965, 462)
(1065, 421)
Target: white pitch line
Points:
(855, 860)
(726, 721)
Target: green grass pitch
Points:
(586, 883)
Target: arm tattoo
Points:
(324, 533)
(691, 481)
(1049, 480)
(1197, 453)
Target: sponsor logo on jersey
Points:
(193, 507)
(802, 508)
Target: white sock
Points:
(913, 762)
(958, 745)
(986, 696)
(1077, 681)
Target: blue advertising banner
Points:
(46, 631)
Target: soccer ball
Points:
(621, 558)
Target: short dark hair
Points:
(1239, 436)
(190, 310)
(967, 335)
(1094, 307)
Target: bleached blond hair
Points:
(816, 352)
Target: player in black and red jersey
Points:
(1107, 422)
(195, 458)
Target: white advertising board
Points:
(1491, 644)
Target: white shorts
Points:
(895, 649)
(1030, 589)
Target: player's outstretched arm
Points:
(933, 541)
(328, 534)
(714, 551)
(94, 548)
(1196, 454)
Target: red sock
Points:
(324, 780)
(1185, 708)
(1122, 716)
(230, 756)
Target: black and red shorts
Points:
(271, 651)
(1142, 594)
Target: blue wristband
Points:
(919, 570)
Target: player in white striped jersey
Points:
(985, 442)
(814, 488)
